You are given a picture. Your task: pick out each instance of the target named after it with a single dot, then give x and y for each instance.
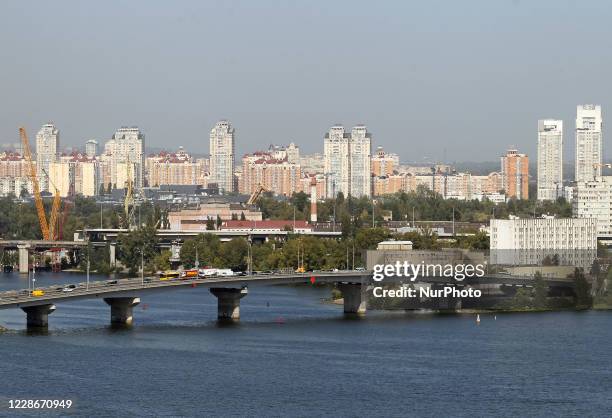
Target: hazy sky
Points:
(465, 78)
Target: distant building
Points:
(347, 161)
(222, 156)
(91, 148)
(197, 219)
(176, 168)
(550, 159)
(267, 226)
(276, 175)
(518, 241)
(126, 146)
(515, 174)
(588, 142)
(312, 164)
(383, 164)
(593, 199)
(47, 152)
(13, 164)
(61, 176)
(16, 186)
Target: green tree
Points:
(130, 246)
(582, 289)
(205, 246)
(540, 291)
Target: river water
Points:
(292, 355)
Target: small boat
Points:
(478, 318)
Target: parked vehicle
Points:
(225, 272)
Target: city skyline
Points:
(279, 75)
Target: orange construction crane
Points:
(48, 229)
(256, 193)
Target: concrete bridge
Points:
(24, 247)
(123, 294)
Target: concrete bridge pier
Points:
(122, 310)
(355, 298)
(112, 250)
(24, 257)
(228, 302)
(38, 316)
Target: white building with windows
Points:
(222, 156)
(347, 161)
(593, 199)
(588, 142)
(126, 145)
(47, 152)
(517, 241)
(91, 148)
(550, 159)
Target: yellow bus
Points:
(168, 275)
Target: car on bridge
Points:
(38, 292)
(69, 288)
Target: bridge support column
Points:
(24, 257)
(112, 250)
(228, 302)
(38, 316)
(122, 310)
(354, 295)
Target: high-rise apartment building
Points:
(348, 161)
(126, 146)
(91, 148)
(175, 168)
(515, 174)
(383, 164)
(550, 159)
(47, 149)
(276, 175)
(588, 142)
(222, 156)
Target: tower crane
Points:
(599, 165)
(128, 202)
(256, 193)
(48, 229)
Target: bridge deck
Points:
(135, 286)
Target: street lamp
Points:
(87, 286)
(142, 266)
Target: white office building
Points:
(347, 161)
(518, 241)
(47, 152)
(588, 142)
(222, 156)
(550, 159)
(593, 199)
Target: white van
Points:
(225, 272)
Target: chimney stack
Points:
(313, 199)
